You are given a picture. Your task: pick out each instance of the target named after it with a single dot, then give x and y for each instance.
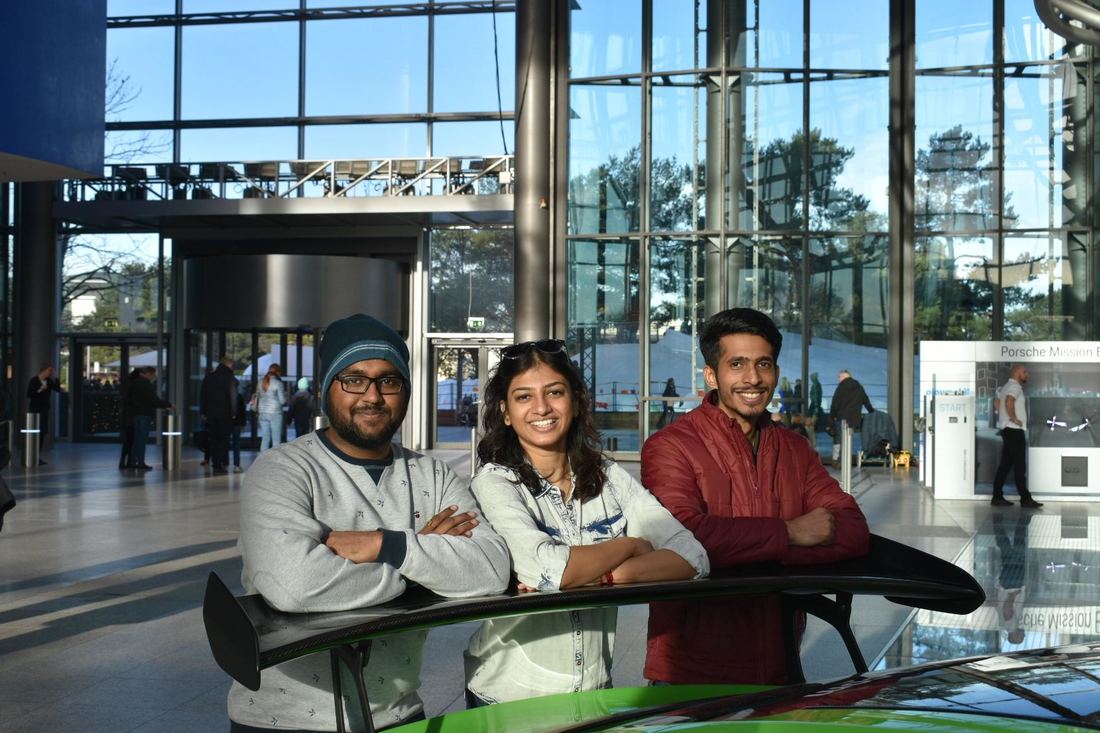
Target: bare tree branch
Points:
(96, 265)
(121, 93)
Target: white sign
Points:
(1037, 351)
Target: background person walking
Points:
(816, 413)
(270, 404)
(668, 411)
(38, 394)
(1012, 421)
(849, 399)
(127, 427)
(144, 401)
(240, 420)
(217, 408)
(303, 406)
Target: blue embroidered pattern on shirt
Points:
(603, 526)
(552, 531)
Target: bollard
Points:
(845, 457)
(473, 452)
(9, 436)
(172, 439)
(320, 422)
(30, 440)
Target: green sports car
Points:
(1035, 691)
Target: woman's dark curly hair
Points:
(501, 446)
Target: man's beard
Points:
(349, 431)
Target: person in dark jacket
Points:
(751, 491)
(127, 427)
(302, 408)
(144, 402)
(849, 399)
(240, 420)
(38, 394)
(816, 413)
(217, 405)
(668, 410)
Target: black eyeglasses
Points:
(546, 346)
(358, 384)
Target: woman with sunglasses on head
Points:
(570, 518)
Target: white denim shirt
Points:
(516, 658)
(272, 399)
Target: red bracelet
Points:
(608, 578)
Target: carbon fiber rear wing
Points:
(247, 636)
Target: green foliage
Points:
(608, 198)
(471, 275)
(110, 277)
(954, 184)
(781, 165)
(954, 295)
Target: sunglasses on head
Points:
(546, 346)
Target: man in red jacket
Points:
(751, 491)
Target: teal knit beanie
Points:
(356, 338)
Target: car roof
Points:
(1059, 686)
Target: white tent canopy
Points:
(289, 363)
(148, 358)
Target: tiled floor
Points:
(102, 574)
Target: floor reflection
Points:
(1041, 575)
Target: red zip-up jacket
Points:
(702, 469)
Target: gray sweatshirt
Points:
(292, 497)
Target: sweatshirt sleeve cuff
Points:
(394, 547)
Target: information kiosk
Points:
(1063, 415)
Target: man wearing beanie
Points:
(343, 518)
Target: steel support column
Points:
(36, 286)
(534, 31)
(722, 144)
(900, 372)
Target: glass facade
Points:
(355, 81)
(757, 171)
(926, 173)
(203, 82)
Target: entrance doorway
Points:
(252, 352)
(99, 371)
(460, 368)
